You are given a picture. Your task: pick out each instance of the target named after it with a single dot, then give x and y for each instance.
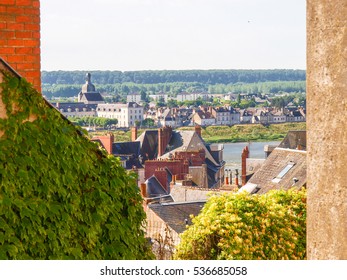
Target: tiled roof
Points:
(177, 215)
(283, 169)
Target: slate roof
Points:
(156, 192)
(294, 139)
(92, 96)
(187, 140)
(204, 115)
(74, 105)
(130, 151)
(287, 162)
(177, 215)
(149, 144)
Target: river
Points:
(232, 152)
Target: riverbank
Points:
(248, 132)
(230, 134)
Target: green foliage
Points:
(97, 121)
(241, 226)
(171, 76)
(148, 122)
(61, 197)
(248, 132)
(68, 83)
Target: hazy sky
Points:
(173, 34)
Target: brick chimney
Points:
(198, 130)
(133, 133)
(164, 136)
(20, 38)
(143, 189)
(244, 156)
(106, 141)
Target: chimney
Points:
(244, 156)
(198, 130)
(204, 180)
(237, 177)
(106, 141)
(143, 189)
(160, 142)
(133, 133)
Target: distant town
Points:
(186, 109)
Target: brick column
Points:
(20, 38)
(326, 129)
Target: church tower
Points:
(88, 94)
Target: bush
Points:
(246, 227)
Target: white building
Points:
(184, 96)
(76, 109)
(126, 114)
(157, 97)
(134, 97)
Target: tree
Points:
(243, 227)
(144, 96)
(172, 103)
(148, 122)
(160, 102)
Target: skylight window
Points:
(284, 171)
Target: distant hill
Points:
(209, 77)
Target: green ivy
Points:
(61, 197)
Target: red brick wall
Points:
(195, 158)
(20, 38)
(176, 167)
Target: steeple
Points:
(88, 86)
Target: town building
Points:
(225, 115)
(134, 97)
(203, 118)
(127, 114)
(76, 109)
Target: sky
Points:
(130, 35)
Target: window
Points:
(284, 171)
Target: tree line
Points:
(121, 90)
(210, 77)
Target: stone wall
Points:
(326, 129)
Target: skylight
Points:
(284, 171)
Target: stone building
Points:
(126, 114)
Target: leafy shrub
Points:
(245, 227)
